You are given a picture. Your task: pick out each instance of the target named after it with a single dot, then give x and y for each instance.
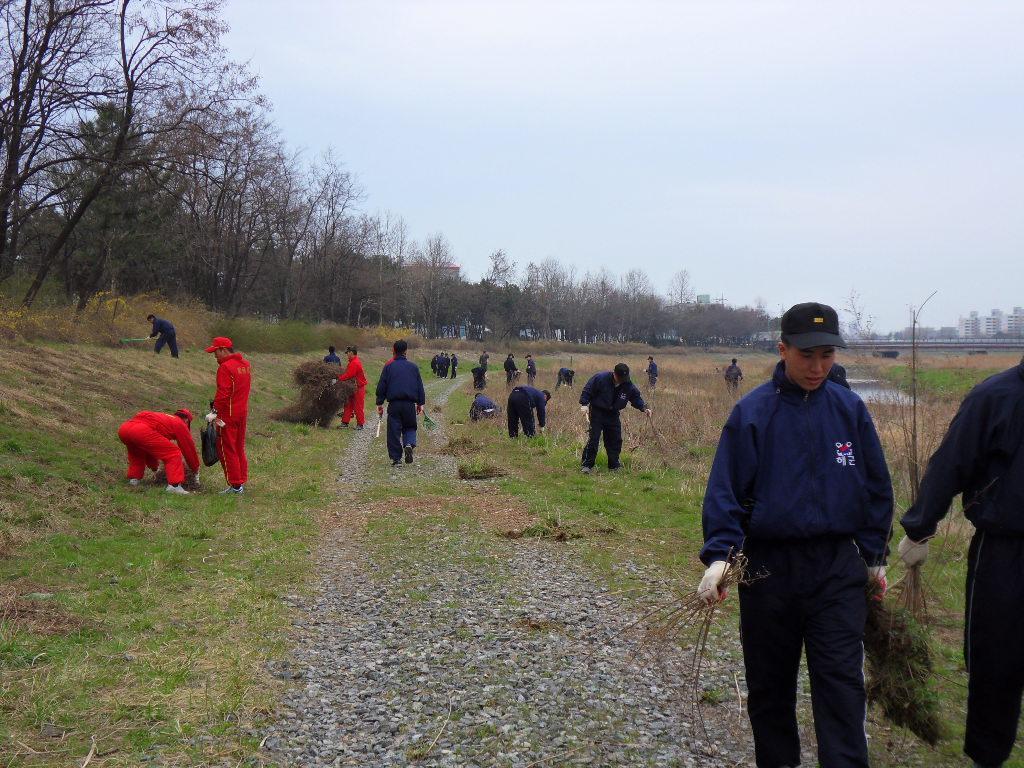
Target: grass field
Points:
(145, 622)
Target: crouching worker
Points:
(482, 408)
(521, 403)
(565, 377)
(154, 437)
(800, 483)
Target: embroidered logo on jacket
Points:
(844, 454)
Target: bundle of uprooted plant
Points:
(685, 620)
(321, 395)
(899, 665)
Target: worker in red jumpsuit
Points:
(154, 437)
(356, 403)
(231, 411)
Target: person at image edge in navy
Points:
(165, 330)
(982, 457)
(521, 403)
(402, 386)
(800, 484)
(601, 399)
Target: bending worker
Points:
(356, 404)
(800, 484)
(522, 401)
(482, 408)
(601, 399)
(982, 457)
(167, 335)
(402, 386)
(154, 437)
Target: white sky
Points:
(777, 150)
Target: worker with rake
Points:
(982, 457)
(356, 404)
(401, 385)
(800, 486)
(164, 329)
(603, 396)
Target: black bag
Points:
(209, 439)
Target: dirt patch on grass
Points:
(30, 607)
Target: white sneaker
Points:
(230, 489)
(176, 489)
(133, 481)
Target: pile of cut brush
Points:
(899, 665)
(321, 395)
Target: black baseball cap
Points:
(622, 371)
(811, 325)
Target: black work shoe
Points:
(360, 427)
(408, 454)
(343, 425)
(396, 463)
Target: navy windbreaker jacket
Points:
(537, 400)
(981, 456)
(400, 380)
(652, 369)
(798, 465)
(332, 358)
(162, 326)
(601, 393)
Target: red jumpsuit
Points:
(356, 403)
(148, 437)
(232, 406)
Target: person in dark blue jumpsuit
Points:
(402, 386)
(163, 329)
(800, 485)
(565, 376)
(522, 401)
(482, 408)
(332, 357)
(601, 399)
(455, 364)
(982, 457)
(531, 370)
(652, 372)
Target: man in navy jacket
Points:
(601, 400)
(165, 330)
(521, 403)
(982, 457)
(800, 484)
(402, 386)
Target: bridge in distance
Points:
(962, 345)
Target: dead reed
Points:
(321, 395)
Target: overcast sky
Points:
(778, 151)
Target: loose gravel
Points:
(473, 651)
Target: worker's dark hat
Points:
(622, 371)
(185, 414)
(810, 325)
(220, 342)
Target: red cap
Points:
(185, 414)
(220, 342)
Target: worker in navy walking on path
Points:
(982, 457)
(402, 386)
(601, 400)
(799, 484)
(455, 364)
(531, 370)
(522, 402)
(164, 329)
(652, 371)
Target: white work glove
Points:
(708, 590)
(210, 417)
(913, 552)
(877, 573)
(649, 412)
(220, 423)
(584, 409)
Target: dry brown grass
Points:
(28, 606)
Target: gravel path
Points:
(481, 652)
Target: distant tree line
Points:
(136, 156)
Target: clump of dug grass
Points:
(899, 665)
(321, 395)
(479, 470)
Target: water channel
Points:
(871, 388)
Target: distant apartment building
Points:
(996, 323)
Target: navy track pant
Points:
(401, 427)
(520, 411)
(807, 595)
(171, 340)
(994, 645)
(604, 423)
